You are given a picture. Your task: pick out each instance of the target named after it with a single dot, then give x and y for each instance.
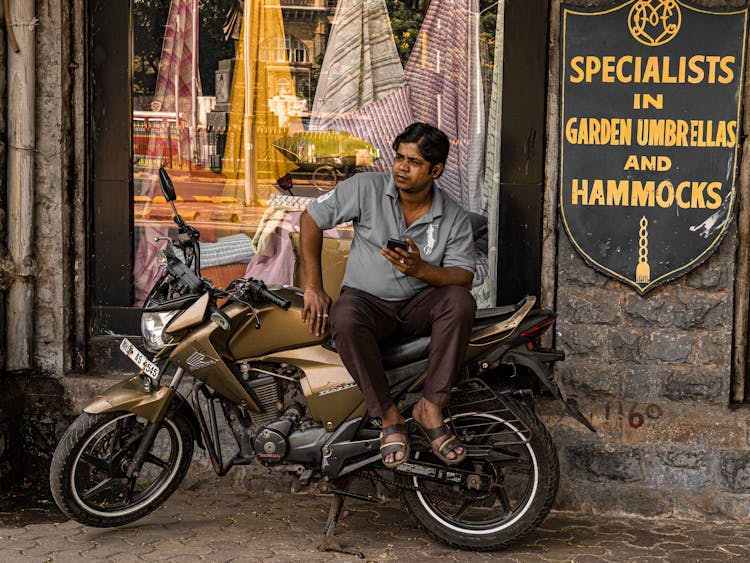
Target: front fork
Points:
(153, 427)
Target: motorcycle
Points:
(289, 402)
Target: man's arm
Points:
(411, 264)
(317, 301)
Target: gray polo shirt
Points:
(370, 201)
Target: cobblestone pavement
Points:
(235, 525)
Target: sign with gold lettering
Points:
(650, 124)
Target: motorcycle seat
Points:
(401, 350)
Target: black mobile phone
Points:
(394, 243)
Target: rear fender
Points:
(535, 363)
(130, 395)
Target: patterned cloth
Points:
(362, 87)
(176, 59)
(175, 63)
(446, 90)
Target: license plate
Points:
(148, 367)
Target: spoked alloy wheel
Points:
(511, 448)
(89, 469)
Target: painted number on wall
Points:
(636, 415)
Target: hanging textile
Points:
(486, 293)
(169, 140)
(253, 127)
(362, 87)
(444, 73)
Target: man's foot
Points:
(394, 439)
(444, 445)
(395, 451)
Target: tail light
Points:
(539, 328)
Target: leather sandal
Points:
(395, 446)
(447, 446)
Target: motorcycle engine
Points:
(271, 444)
(280, 399)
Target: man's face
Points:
(411, 172)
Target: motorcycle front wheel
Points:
(514, 450)
(88, 476)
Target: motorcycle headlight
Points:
(152, 329)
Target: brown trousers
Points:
(359, 321)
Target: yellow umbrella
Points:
(249, 154)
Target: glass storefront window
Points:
(254, 107)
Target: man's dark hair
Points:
(432, 142)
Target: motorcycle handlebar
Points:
(258, 290)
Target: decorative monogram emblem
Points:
(654, 22)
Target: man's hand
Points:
(409, 263)
(315, 311)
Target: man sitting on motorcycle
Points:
(424, 290)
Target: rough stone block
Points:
(572, 270)
(588, 306)
(702, 309)
(714, 347)
(628, 345)
(582, 379)
(581, 339)
(735, 472)
(640, 382)
(679, 308)
(707, 385)
(682, 469)
(669, 346)
(592, 463)
(716, 272)
(604, 498)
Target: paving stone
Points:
(222, 526)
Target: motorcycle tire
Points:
(525, 475)
(88, 478)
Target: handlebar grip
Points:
(276, 300)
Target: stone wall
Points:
(653, 373)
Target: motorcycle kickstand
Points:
(329, 541)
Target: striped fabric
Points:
(446, 89)
(175, 67)
(176, 58)
(362, 87)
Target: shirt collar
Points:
(436, 207)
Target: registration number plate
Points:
(148, 367)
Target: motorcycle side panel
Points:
(130, 395)
(198, 354)
(332, 395)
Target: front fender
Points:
(130, 395)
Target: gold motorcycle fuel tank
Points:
(279, 330)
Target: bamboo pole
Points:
(21, 147)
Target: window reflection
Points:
(256, 106)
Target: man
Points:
(419, 291)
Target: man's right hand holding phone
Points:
(404, 255)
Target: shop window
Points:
(249, 138)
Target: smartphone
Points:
(394, 243)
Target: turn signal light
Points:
(539, 328)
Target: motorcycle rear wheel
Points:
(525, 475)
(88, 473)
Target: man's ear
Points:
(437, 170)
